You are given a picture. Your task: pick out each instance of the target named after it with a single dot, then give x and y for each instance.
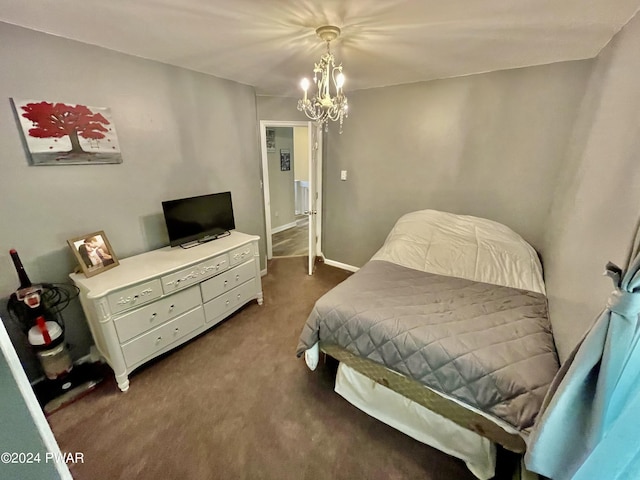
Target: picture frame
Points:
(271, 140)
(93, 253)
(58, 133)
(285, 160)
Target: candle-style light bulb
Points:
(304, 83)
(339, 82)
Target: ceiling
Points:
(271, 44)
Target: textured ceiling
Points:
(271, 44)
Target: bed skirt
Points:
(421, 424)
(492, 429)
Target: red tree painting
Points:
(57, 120)
(57, 133)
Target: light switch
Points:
(343, 174)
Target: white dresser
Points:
(155, 301)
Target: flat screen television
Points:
(194, 220)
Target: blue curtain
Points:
(590, 424)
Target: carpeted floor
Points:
(235, 403)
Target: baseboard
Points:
(343, 266)
(92, 357)
(282, 228)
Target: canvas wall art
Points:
(56, 133)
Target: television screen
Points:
(198, 219)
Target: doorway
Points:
(294, 241)
(291, 163)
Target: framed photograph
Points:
(285, 160)
(57, 133)
(93, 252)
(271, 140)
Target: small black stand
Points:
(206, 239)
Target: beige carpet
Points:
(235, 403)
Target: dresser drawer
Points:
(158, 338)
(226, 281)
(150, 316)
(229, 301)
(240, 254)
(133, 296)
(195, 273)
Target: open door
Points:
(313, 197)
(313, 201)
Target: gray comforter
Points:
(489, 346)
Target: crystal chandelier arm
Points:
(324, 86)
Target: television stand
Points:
(205, 239)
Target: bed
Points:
(444, 334)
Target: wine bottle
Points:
(22, 274)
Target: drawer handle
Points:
(171, 307)
(237, 277)
(238, 296)
(153, 317)
(134, 299)
(225, 283)
(158, 340)
(227, 302)
(176, 331)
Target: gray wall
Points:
(181, 133)
(487, 145)
(597, 203)
(279, 108)
(281, 183)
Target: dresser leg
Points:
(260, 299)
(123, 382)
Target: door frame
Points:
(264, 124)
(40, 426)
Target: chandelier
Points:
(328, 101)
